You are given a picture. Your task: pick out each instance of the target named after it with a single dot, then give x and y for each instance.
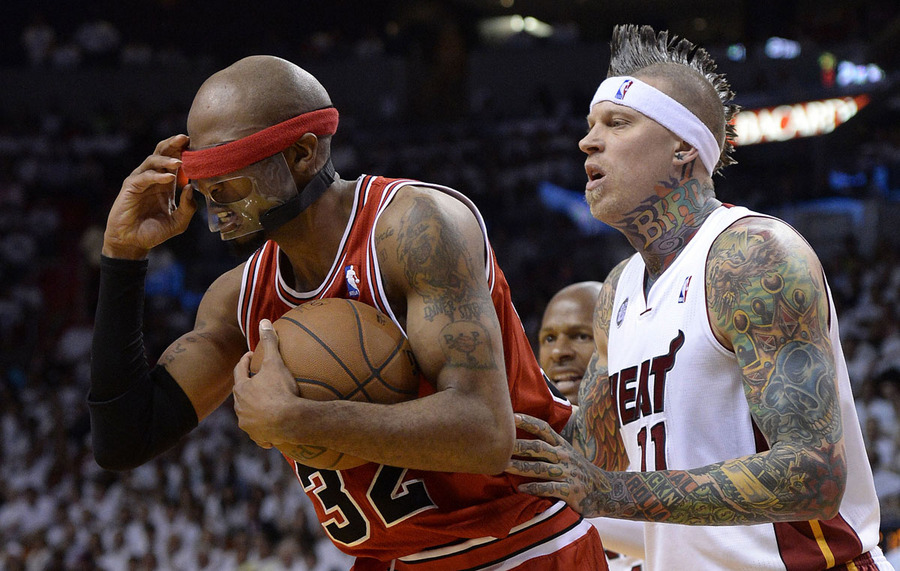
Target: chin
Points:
(600, 212)
(244, 246)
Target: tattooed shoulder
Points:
(603, 309)
(761, 272)
(442, 257)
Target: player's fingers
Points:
(187, 206)
(268, 338)
(161, 163)
(173, 146)
(538, 428)
(536, 469)
(139, 182)
(545, 489)
(537, 449)
(242, 369)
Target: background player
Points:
(259, 131)
(566, 344)
(717, 346)
(566, 337)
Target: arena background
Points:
(487, 96)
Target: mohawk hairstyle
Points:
(634, 48)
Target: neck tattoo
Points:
(661, 226)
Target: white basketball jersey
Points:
(681, 405)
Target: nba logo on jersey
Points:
(352, 281)
(620, 316)
(623, 89)
(684, 287)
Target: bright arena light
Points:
(806, 119)
(500, 28)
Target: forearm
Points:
(595, 425)
(135, 414)
(783, 484)
(441, 432)
(117, 345)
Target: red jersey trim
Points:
(248, 289)
(484, 552)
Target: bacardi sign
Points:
(785, 122)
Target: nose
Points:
(591, 142)
(562, 349)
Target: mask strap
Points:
(279, 215)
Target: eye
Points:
(586, 337)
(547, 339)
(215, 194)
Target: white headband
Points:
(669, 113)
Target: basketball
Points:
(343, 349)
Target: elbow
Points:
(113, 462)
(827, 491)
(500, 458)
(497, 448)
(836, 485)
(114, 458)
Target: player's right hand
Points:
(559, 470)
(144, 213)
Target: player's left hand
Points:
(262, 401)
(566, 474)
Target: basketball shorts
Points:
(556, 540)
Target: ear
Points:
(685, 154)
(301, 156)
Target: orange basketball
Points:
(343, 349)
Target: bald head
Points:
(253, 93)
(583, 293)
(566, 338)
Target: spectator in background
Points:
(38, 39)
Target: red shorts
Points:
(557, 540)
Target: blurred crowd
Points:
(216, 501)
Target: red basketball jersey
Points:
(383, 512)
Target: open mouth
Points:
(227, 221)
(594, 173)
(565, 376)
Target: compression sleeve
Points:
(136, 414)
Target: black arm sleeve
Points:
(136, 414)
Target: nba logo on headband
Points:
(623, 89)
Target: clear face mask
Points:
(235, 202)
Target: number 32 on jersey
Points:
(390, 496)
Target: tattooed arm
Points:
(202, 360)
(431, 255)
(593, 429)
(759, 270)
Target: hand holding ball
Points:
(340, 349)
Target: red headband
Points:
(223, 159)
